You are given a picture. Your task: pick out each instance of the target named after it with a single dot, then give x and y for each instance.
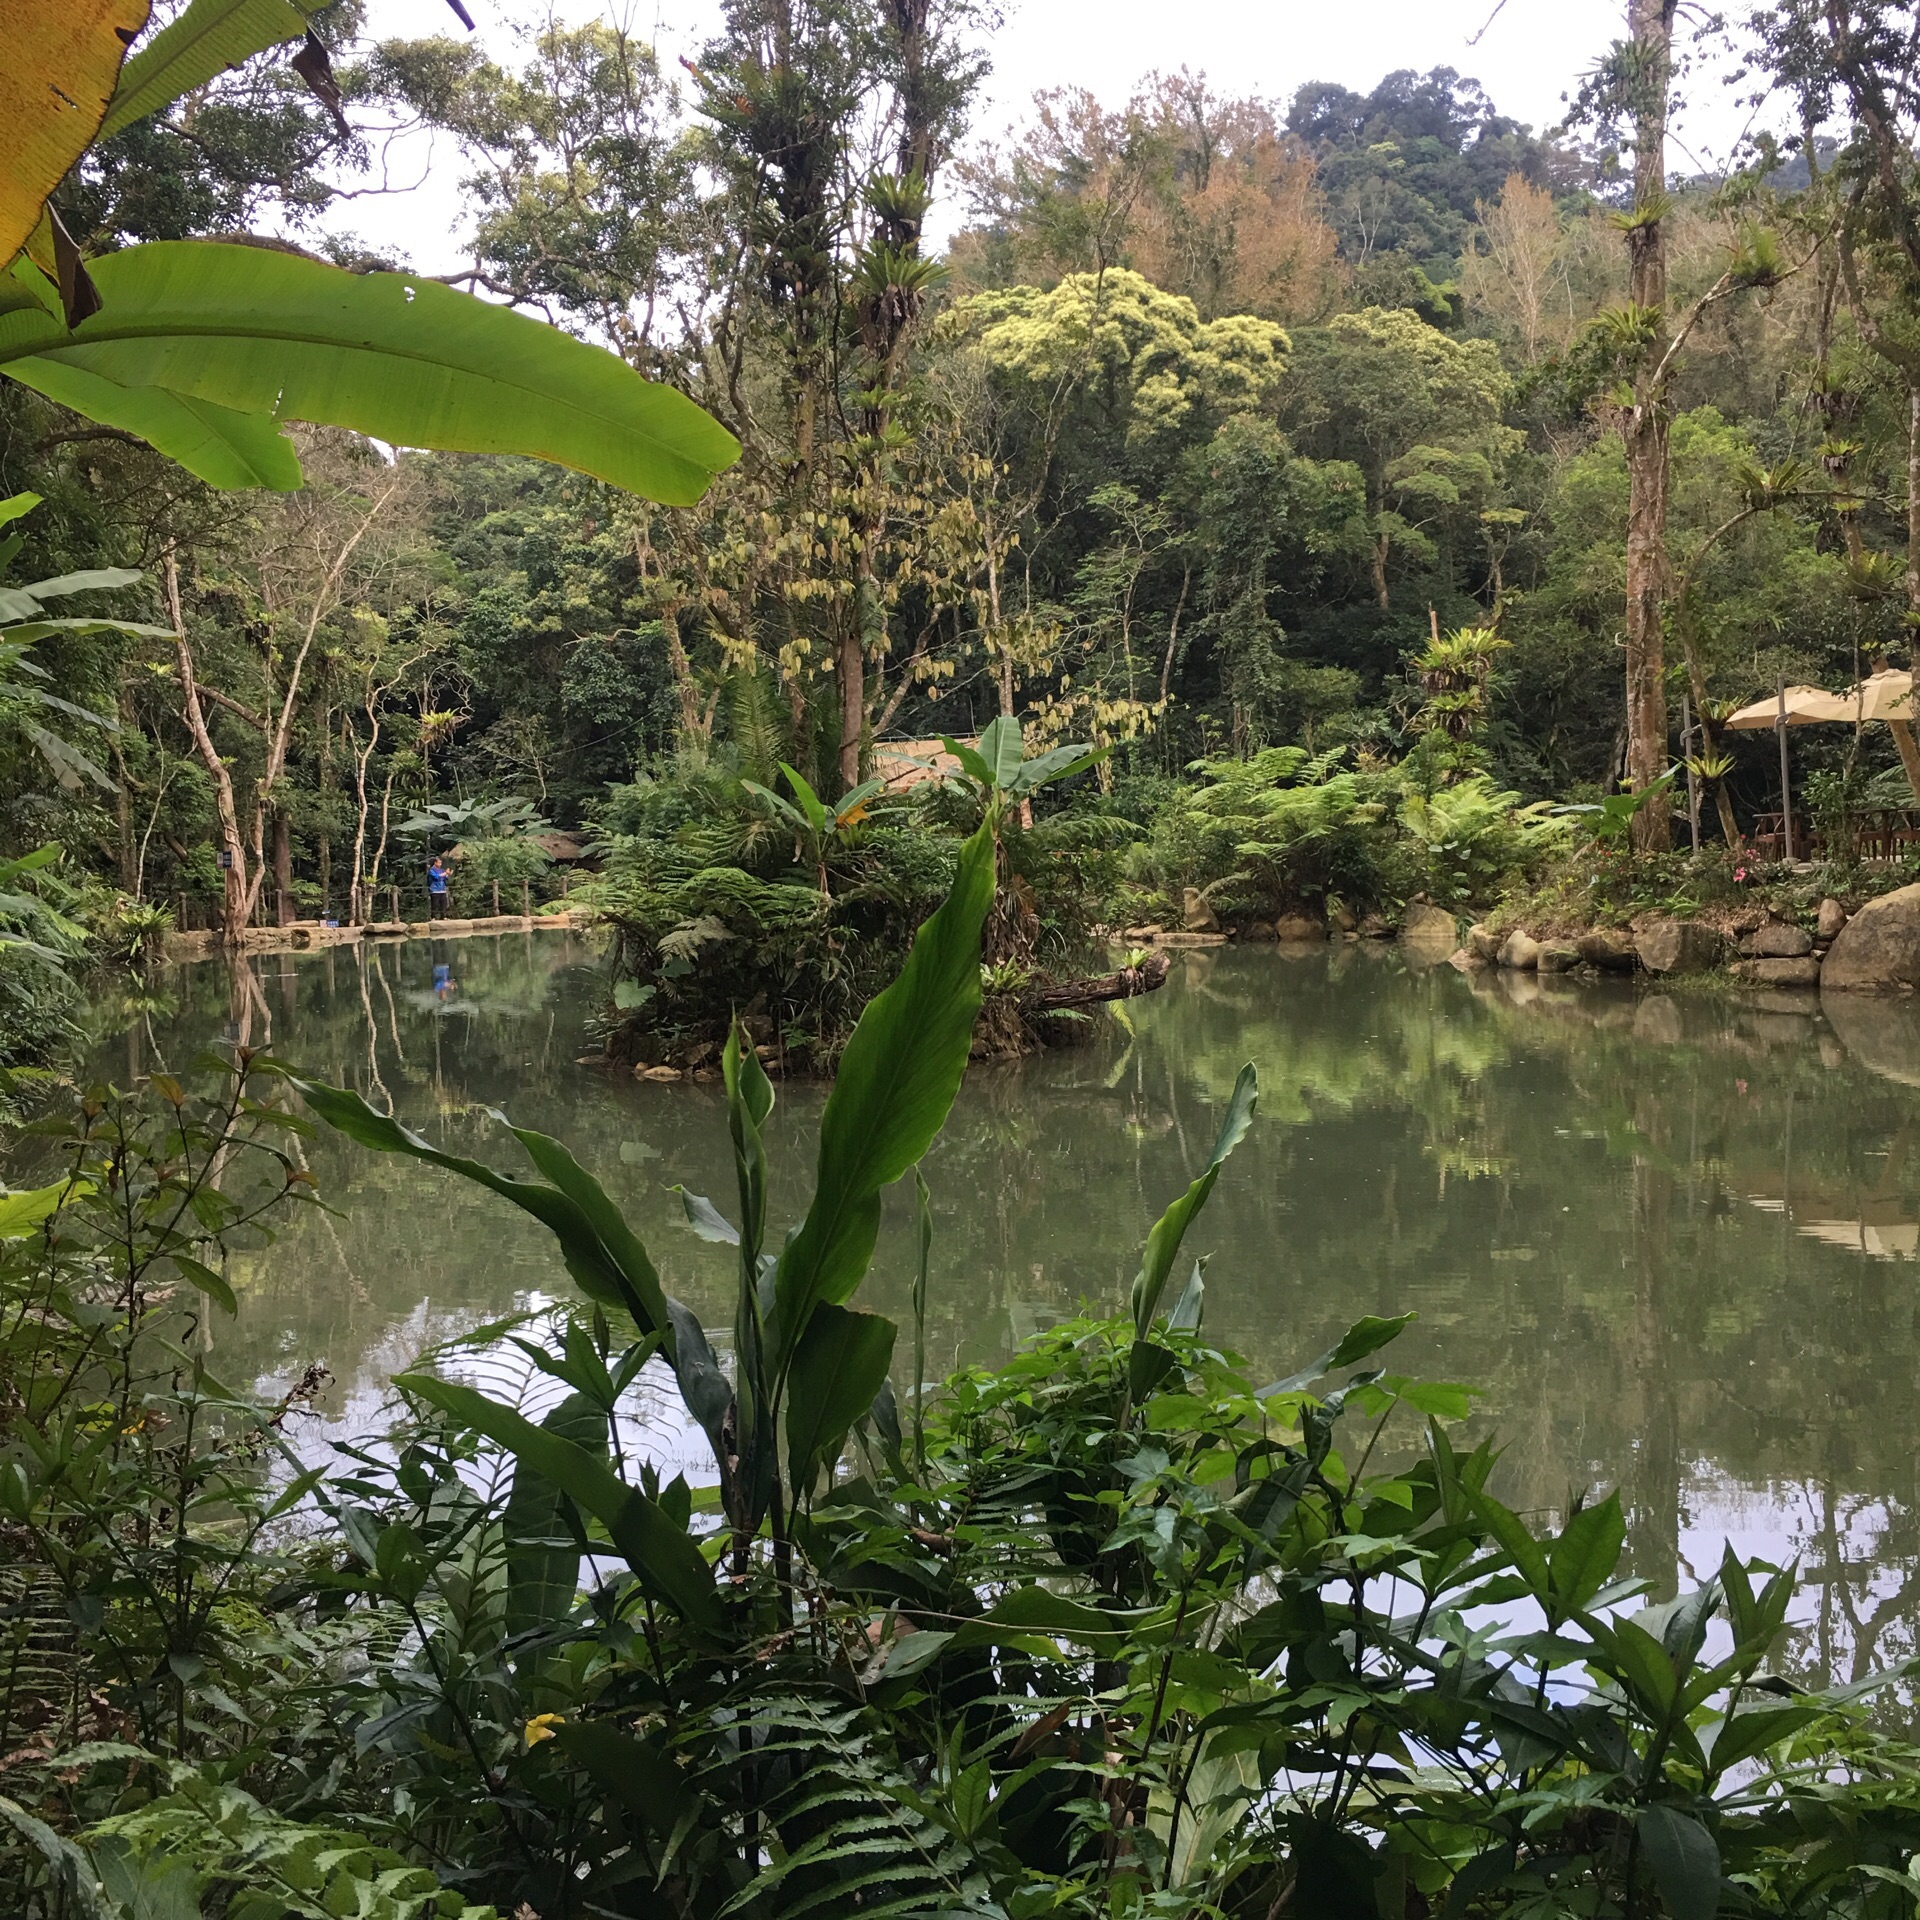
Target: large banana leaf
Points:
(59, 62)
(890, 1098)
(403, 359)
(226, 449)
(210, 37)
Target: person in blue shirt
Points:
(437, 889)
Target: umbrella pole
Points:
(1693, 778)
(1786, 778)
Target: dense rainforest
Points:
(891, 565)
(1216, 417)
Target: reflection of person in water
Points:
(443, 980)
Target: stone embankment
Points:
(1874, 950)
(304, 935)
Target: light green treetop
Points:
(1142, 351)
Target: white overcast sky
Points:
(1528, 57)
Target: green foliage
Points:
(202, 348)
(1284, 831)
(1125, 1631)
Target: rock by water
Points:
(1878, 951)
(1520, 952)
(1678, 946)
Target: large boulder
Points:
(1878, 951)
(1520, 952)
(1196, 914)
(1295, 927)
(1430, 926)
(1801, 970)
(1557, 956)
(1485, 942)
(1677, 946)
(1780, 940)
(1611, 949)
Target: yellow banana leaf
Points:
(61, 66)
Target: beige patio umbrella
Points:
(1886, 696)
(1791, 707)
(1798, 706)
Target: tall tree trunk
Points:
(1650, 24)
(236, 897)
(852, 672)
(1903, 729)
(282, 868)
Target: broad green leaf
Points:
(15, 505)
(404, 359)
(839, 1365)
(158, 1885)
(226, 449)
(1513, 1534)
(72, 768)
(27, 632)
(1364, 1338)
(811, 805)
(1684, 1859)
(213, 1285)
(21, 1212)
(24, 603)
(1003, 748)
(1163, 1243)
(849, 804)
(663, 1557)
(640, 1773)
(914, 1652)
(1728, 1742)
(609, 1225)
(203, 42)
(594, 1266)
(706, 1219)
(1060, 764)
(1189, 1308)
(1582, 1560)
(784, 808)
(543, 1561)
(1040, 1610)
(57, 76)
(971, 762)
(1641, 1664)
(890, 1098)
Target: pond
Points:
(1675, 1238)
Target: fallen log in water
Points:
(1128, 984)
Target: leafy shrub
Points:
(1285, 831)
(1113, 1629)
(513, 863)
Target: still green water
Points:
(1673, 1238)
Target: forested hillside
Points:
(1215, 413)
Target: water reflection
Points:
(1670, 1235)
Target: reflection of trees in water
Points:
(1570, 1185)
